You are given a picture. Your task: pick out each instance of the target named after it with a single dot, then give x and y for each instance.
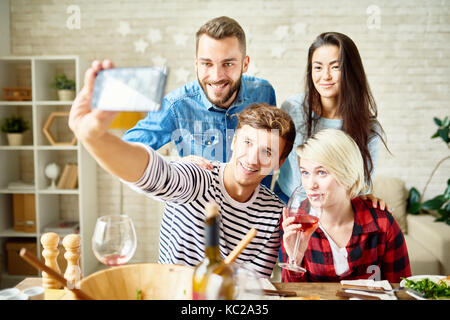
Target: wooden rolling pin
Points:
(35, 262)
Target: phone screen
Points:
(138, 89)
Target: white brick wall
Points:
(407, 62)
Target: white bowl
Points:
(35, 293)
(12, 294)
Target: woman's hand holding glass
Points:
(291, 230)
(300, 220)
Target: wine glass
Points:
(114, 240)
(307, 213)
(247, 283)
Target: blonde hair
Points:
(339, 154)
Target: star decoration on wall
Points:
(140, 45)
(299, 28)
(159, 61)
(182, 75)
(154, 35)
(278, 51)
(124, 28)
(281, 32)
(180, 39)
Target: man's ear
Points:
(245, 64)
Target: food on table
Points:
(139, 295)
(429, 288)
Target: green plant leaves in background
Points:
(62, 83)
(435, 203)
(443, 129)
(414, 204)
(440, 203)
(14, 124)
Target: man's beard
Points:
(221, 102)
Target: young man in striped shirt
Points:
(263, 139)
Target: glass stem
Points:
(297, 241)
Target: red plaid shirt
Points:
(376, 240)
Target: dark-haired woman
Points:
(337, 95)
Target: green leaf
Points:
(414, 208)
(414, 195)
(435, 203)
(414, 201)
(446, 207)
(443, 133)
(444, 216)
(437, 121)
(447, 193)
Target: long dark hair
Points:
(356, 104)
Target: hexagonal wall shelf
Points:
(46, 129)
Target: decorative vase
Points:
(66, 95)
(15, 139)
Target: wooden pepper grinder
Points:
(50, 243)
(72, 244)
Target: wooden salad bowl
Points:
(155, 281)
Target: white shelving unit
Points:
(27, 162)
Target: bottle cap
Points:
(212, 210)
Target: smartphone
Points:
(138, 89)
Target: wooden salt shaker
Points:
(50, 243)
(72, 244)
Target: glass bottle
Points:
(212, 279)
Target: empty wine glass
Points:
(307, 213)
(114, 240)
(247, 283)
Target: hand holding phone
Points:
(138, 89)
(85, 122)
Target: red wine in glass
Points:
(300, 208)
(113, 260)
(307, 221)
(114, 240)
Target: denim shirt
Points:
(194, 124)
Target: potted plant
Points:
(64, 87)
(14, 127)
(440, 204)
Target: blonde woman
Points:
(352, 235)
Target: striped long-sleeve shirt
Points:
(186, 189)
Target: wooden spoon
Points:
(241, 246)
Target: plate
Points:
(434, 278)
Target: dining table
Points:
(303, 290)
